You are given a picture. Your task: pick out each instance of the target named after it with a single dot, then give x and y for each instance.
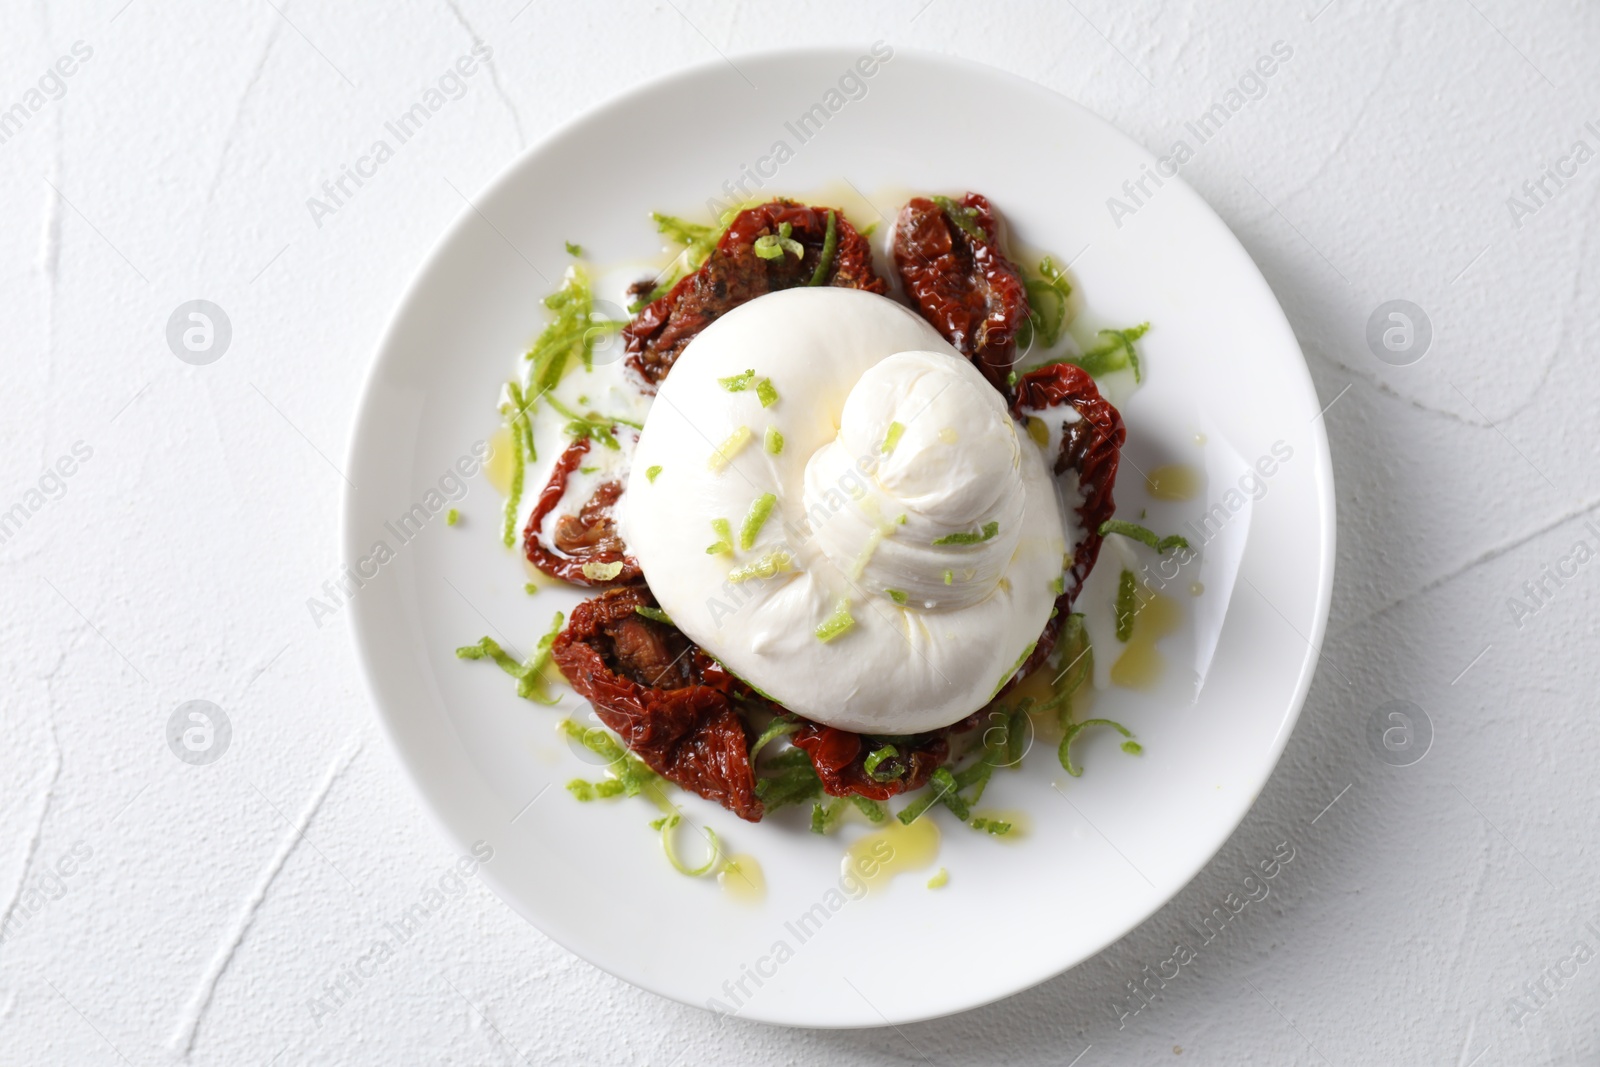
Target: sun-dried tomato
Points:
(1091, 447)
(671, 704)
(587, 535)
(733, 274)
(952, 267)
(839, 757)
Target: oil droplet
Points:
(1196, 588)
(949, 436)
(1177, 481)
(741, 879)
(1140, 665)
(1199, 438)
(498, 467)
(1037, 685)
(881, 855)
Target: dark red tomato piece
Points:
(562, 534)
(671, 704)
(839, 757)
(951, 264)
(1091, 447)
(734, 274)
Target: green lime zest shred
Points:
(653, 614)
(989, 531)
(452, 517)
(1015, 667)
(874, 811)
(792, 780)
(897, 595)
(728, 449)
(574, 250)
(877, 758)
(602, 572)
(773, 441)
(516, 412)
(942, 789)
(1143, 535)
(836, 623)
(949, 793)
(770, 565)
(668, 846)
(738, 383)
(997, 827)
(529, 674)
(1077, 659)
(949, 577)
(723, 545)
(595, 426)
(824, 816)
(774, 245)
(651, 473)
(1126, 607)
(1047, 305)
(756, 518)
(697, 242)
(1071, 734)
(1113, 351)
(779, 727)
(892, 437)
(830, 244)
(962, 217)
(626, 769)
(766, 392)
(572, 333)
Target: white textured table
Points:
(1434, 911)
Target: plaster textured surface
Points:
(206, 906)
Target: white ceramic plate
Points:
(1101, 852)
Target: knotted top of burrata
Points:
(835, 504)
